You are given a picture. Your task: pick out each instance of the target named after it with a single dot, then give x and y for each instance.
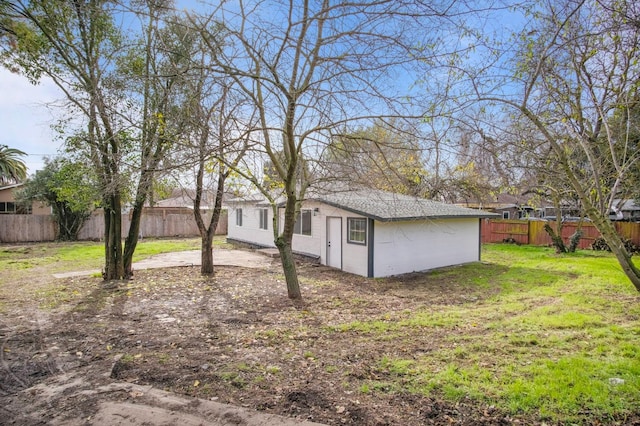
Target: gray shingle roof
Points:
(386, 206)
(381, 205)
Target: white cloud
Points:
(25, 118)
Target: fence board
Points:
(497, 230)
(537, 234)
(589, 233)
(16, 228)
(500, 230)
(630, 230)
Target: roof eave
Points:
(433, 217)
(409, 218)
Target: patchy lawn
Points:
(525, 336)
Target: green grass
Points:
(74, 256)
(551, 340)
(387, 324)
(20, 265)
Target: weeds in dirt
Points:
(164, 358)
(527, 334)
(271, 369)
(54, 296)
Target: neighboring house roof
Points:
(15, 185)
(184, 198)
(180, 201)
(625, 205)
(504, 201)
(383, 206)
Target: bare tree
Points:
(114, 90)
(383, 156)
(312, 67)
(232, 139)
(71, 43)
(151, 75)
(571, 68)
(215, 125)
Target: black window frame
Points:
(363, 231)
(264, 219)
(239, 217)
(8, 207)
(299, 227)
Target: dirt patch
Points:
(233, 338)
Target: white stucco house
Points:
(367, 232)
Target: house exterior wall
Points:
(7, 195)
(41, 209)
(309, 244)
(403, 247)
(354, 256)
(250, 231)
(399, 247)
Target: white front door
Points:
(334, 242)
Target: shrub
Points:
(599, 244)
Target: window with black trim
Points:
(264, 218)
(303, 223)
(7, 207)
(238, 217)
(357, 230)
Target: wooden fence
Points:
(165, 222)
(532, 232)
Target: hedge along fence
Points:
(532, 232)
(157, 223)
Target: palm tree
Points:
(12, 168)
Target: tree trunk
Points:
(114, 267)
(68, 222)
(615, 243)
(289, 268)
(208, 234)
(284, 245)
(206, 237)
(144, 187)
(206, 255)
(628, 267)
(574, 240)
(132, 239)
(556, 237)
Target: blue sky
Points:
(25, 118)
